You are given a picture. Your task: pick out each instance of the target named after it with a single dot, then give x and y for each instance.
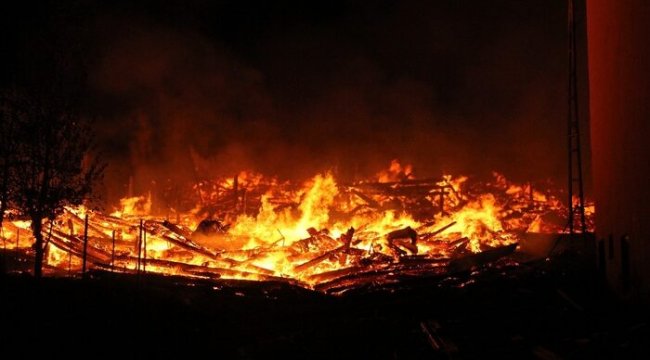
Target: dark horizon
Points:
(183, 90)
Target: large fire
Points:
(258, 228)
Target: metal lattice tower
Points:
(575, 156)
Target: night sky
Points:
(190, 89)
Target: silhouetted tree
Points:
(8, 144)
(53, 162)
(50, 160)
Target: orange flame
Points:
(305, 232)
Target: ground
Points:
(546, 309)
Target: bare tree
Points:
(54, 166)
(8, 144)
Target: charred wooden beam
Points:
(347, 237)
(190, 247)
(73, 245)
(436, 232)
(200, 270)
(370, 201)
(381, 274)
(334, 274)
(90, 225)
(317, 260)
(405, 233)
(176, 229)
(85, 251)
(466, 263)
(422, 260)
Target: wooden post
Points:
(47, 243)
(442, 200)
(83, 262)
(244, 202)
(71, 227)
(2, 235)
(139, 246)
(235, 192)
(113, 252)
(144, 244)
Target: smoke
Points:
(448, 87)
(179, 101)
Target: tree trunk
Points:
(37, 227)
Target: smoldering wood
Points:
(459, 242)
(207, 271)
(108, 219)
(74, 245)
(347, 237)
(359, 267)
(331, 280)
(113, 251)
(334, 274)
(76, 218)
(48, 237)
(380, 275)
(369, 201)
(320, 241)
(341, 250)
(317, 260)
(176, 229)
(468, 262)
(422, 259)
(438, 231)
(210, 227)
(190, 246)
(405, 233)
(144, 260)
(85, 248)
(459, 248)
(138, 247)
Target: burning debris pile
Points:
(322, 235)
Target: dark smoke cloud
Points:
(187, 109)
(184, 91)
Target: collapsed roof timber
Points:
(322, 235)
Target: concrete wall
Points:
(618, 33)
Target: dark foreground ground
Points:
(547, 309)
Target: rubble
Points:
(352, 234)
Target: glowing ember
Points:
(250, 227)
